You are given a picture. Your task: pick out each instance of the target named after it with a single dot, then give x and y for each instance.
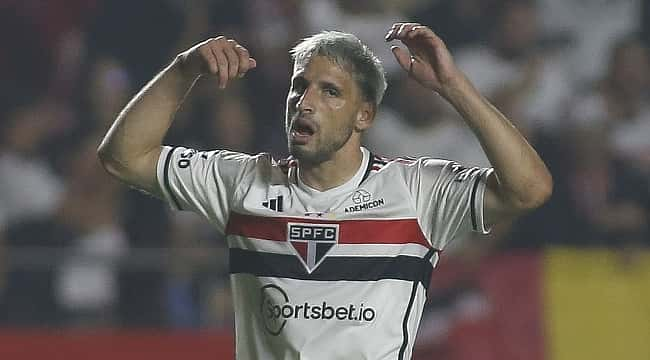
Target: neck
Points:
(333, 172)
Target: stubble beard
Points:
(323, 151)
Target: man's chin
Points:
(305, 155)
(298, 151)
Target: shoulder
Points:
(405, 164)
(226, 164)
(275, 171)
(427, 167)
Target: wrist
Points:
(457, 90)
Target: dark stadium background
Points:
(90, 269)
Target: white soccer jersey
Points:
(336, 274)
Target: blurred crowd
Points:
(77, 248)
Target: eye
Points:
(298, 85)
(299, 88)
(331, 92)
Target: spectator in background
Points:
(197, 290)
(619, 104)
(608, 178)
(524, 79)
(86, 282)
(31, 192)
(610, 199)
(591, 27)
(29, 186)
(425, 125)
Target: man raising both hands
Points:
(331, 251)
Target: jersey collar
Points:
(349, 185)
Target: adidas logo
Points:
(274, 204)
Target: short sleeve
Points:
(202, 181)
(449, 199)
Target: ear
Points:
(365, 116)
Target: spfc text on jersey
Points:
(307, 232)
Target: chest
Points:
(373, 199)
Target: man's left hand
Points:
(427, 60)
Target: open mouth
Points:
(302, 130)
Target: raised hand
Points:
(427, 60)
(220, 57)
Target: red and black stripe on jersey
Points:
(333, 268)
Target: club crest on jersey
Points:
(312, 242)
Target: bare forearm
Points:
(131, 148)
(141, 126)
(524, 180)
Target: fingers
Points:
(403, 58)
(389, 34)
(245, 61)
(206, 53)
(222, 62)
(225, 59)
(408, 31)
(233, 59)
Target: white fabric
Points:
(391, 215)
(87, 279)
(28, 188)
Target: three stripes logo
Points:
(274, 204)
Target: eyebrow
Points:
(329, 84)
(299, 79)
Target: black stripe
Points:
(473, 202)
(368, 168)
(333, 268)
(405, 332)
(168, 160)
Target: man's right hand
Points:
(220, 57)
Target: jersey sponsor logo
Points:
(361, 196)
(362, 200)
(274, 204)
(312, 242)
(276, 310)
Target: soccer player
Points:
(331, 251)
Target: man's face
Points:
(323, 109)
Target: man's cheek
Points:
(337, 104)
